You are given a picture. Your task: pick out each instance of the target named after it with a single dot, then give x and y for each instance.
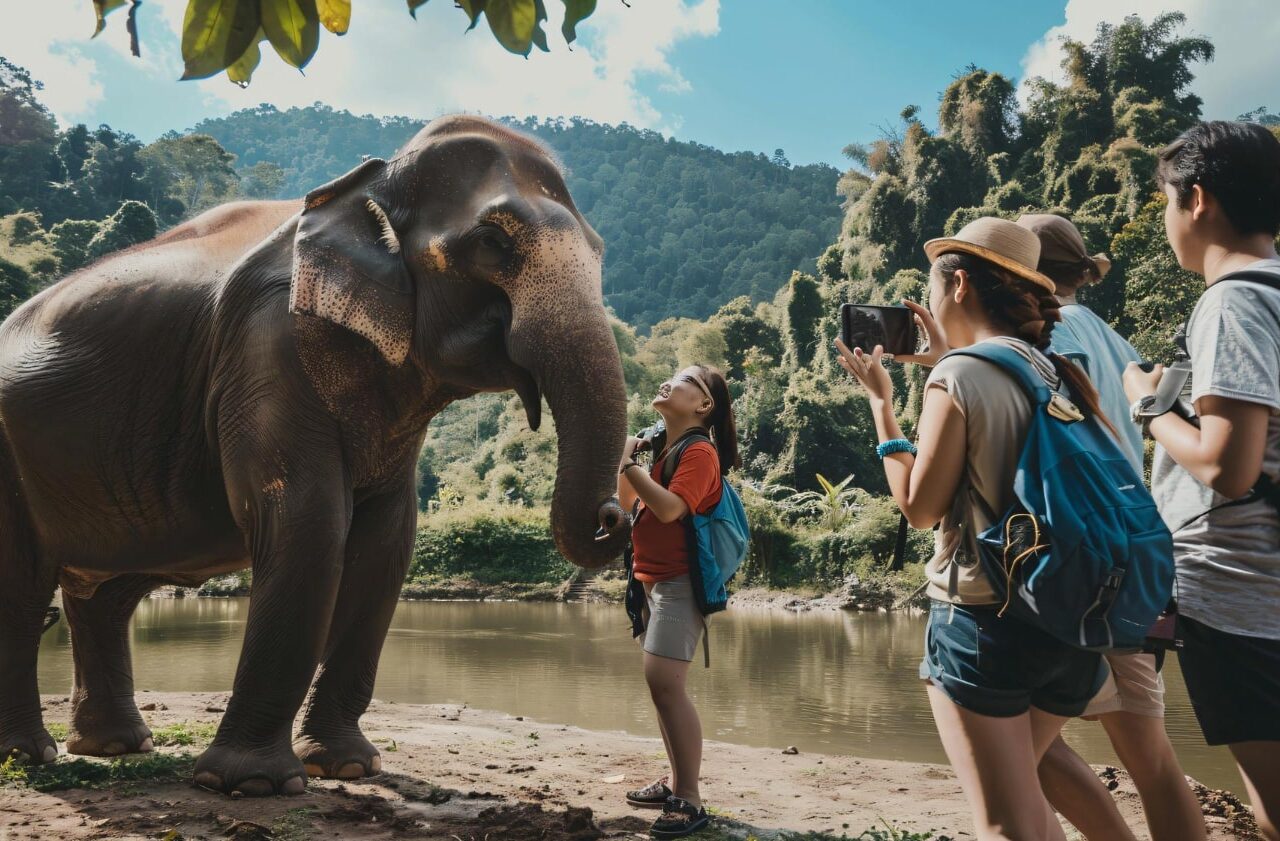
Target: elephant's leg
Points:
(26, 588)
(104, 718)
(297, 564)
(329, 742)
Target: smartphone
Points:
(865, 326)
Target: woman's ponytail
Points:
(724, 432)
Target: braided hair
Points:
(1029, 312)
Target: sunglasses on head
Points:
(699, 383)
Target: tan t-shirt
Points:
(997, 413)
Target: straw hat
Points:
(1061, 242)
(1000, 241)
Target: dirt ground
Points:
(457, 774)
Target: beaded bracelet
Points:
(897, 445)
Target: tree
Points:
(263, 180)
(131, 224)
(27, 137)
(200, 172)
(220, 35)
(15, 287)
(71, 238)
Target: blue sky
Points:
(807, 76)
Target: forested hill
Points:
(688, 227)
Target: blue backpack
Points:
(1083, 554)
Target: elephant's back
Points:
(187, 261)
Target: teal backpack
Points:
(718, 540)
(1083, 554)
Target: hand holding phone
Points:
(865, 326)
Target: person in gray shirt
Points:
(1222, 181)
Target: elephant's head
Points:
(465, 256)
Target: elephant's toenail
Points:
(147, 745)
(113, 749)
(375, 764)
(351, 771)
(50, 753)
(293, 786)
(314, 770)
(209, 780)
(256, 788)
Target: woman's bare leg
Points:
(995, 760)
(1259, 764)
(1173, 813)
(1074, 789)
(680, 723)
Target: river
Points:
(825, 682)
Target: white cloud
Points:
(1245, 34)
(391, 64)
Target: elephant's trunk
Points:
(574, 358)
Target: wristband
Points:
(897, 445)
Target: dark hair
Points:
(724, 432)
(1029, 312)
(1238, 163)
(1073, 274)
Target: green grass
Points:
(884, 832)
(90, 773)
(293, 825)
(184, 734)
(57, 730)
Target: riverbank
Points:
(883, 593)
(455, 773)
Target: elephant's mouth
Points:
(530, 395)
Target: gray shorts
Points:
(673, 623)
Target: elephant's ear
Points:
(347, 265)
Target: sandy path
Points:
(471, 774)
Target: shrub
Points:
(489, 543)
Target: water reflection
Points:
(825, 682)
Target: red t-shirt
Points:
(659, 550)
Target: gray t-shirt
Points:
(997, 414)
(1229, 562)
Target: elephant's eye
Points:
(491, 248)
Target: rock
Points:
(148, 708)
(791, 750)
(213, 708)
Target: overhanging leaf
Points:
(335, 15)
(512, 23)
(216, 33)
(473, 8)
(293, 28)
(413, 7)
(539, 36)
(241, 70)
(101, 9)
(575, 11)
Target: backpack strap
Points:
(672, 460)
(1259, 276)
(1015, 365)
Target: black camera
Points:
(653, 438)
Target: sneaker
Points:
(679, 818)
(652, 796)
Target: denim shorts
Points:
(1004, 667)
(1233, 681)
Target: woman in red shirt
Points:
(695, 402)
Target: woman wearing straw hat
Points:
(999, 688)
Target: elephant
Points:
(252, 389)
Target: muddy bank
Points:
(453, 772)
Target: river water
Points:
(826, 682)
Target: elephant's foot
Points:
(347, 756)
(35, 747)
(105, 738)
(254, 772)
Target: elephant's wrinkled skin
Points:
(252, 388)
